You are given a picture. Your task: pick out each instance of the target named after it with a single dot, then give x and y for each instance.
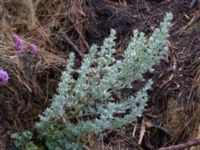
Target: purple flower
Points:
(3, 77)
(33, 48)
(19, 43)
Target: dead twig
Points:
(183, 29)
(192, 3)
(69, 41)
(182, 145)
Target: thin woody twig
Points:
(72, 45)
(183, 29)
(182, 145)
(192, 3)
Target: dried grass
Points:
(34, 78)
(196, 128)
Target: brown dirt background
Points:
(59, 27)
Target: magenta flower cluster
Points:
(33, 48)
(19, 45)
(3, 77)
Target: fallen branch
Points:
(183, 145)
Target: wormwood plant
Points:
(86, 105)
